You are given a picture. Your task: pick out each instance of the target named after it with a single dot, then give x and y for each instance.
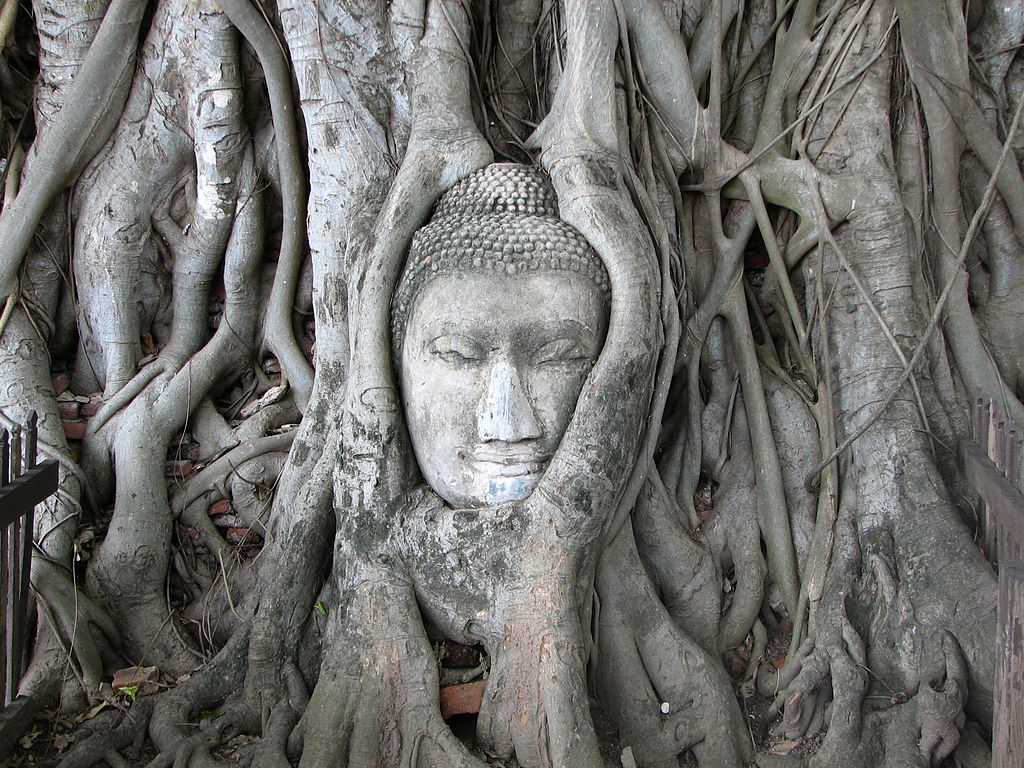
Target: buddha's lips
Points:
(509, 464)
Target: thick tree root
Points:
(379, 669)
(666, 692)
(536, 705)
(830, 683)
(85, 633)
(110, 734)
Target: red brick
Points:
(243, 536)
(462, 699)
(61, 382)
(178, 468)
(75, 430)
(219, 507)
(735, 663)
(90, 409)
(68, 409)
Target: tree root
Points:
(379, 669)
(216, 685)
(214, 476)
(84, 632)
(96, 101)
(665, 691)
(535, 705)
(111, 734)
(829, 682)
(686, 571)
(280, 333)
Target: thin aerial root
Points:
(279, 333)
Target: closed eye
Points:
(562, 350)
(456, 349)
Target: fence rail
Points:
(23, 484)
(991, 463)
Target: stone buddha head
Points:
(498, 317)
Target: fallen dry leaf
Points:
(783, 747)
(144, 680)
(62, 740)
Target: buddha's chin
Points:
(490, 490)
(488, 484)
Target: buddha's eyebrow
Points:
(457, 325)
(567, 328)
(573, 325)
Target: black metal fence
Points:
(992, 464)
(23, 484)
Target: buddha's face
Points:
(492, 365)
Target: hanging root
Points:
(81, 128)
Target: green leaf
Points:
(319, 605)
(131, 691)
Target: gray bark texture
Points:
(751, 546)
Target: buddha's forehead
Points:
(503, 305)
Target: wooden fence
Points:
(991, 463)
(23, 484)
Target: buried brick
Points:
(178, 468)
(68, 409)
(92, 407)
(219, 507)
(75, 430)
(462, 699)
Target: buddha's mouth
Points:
(508, 464)
(509, 470)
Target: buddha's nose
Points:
(505, 412)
